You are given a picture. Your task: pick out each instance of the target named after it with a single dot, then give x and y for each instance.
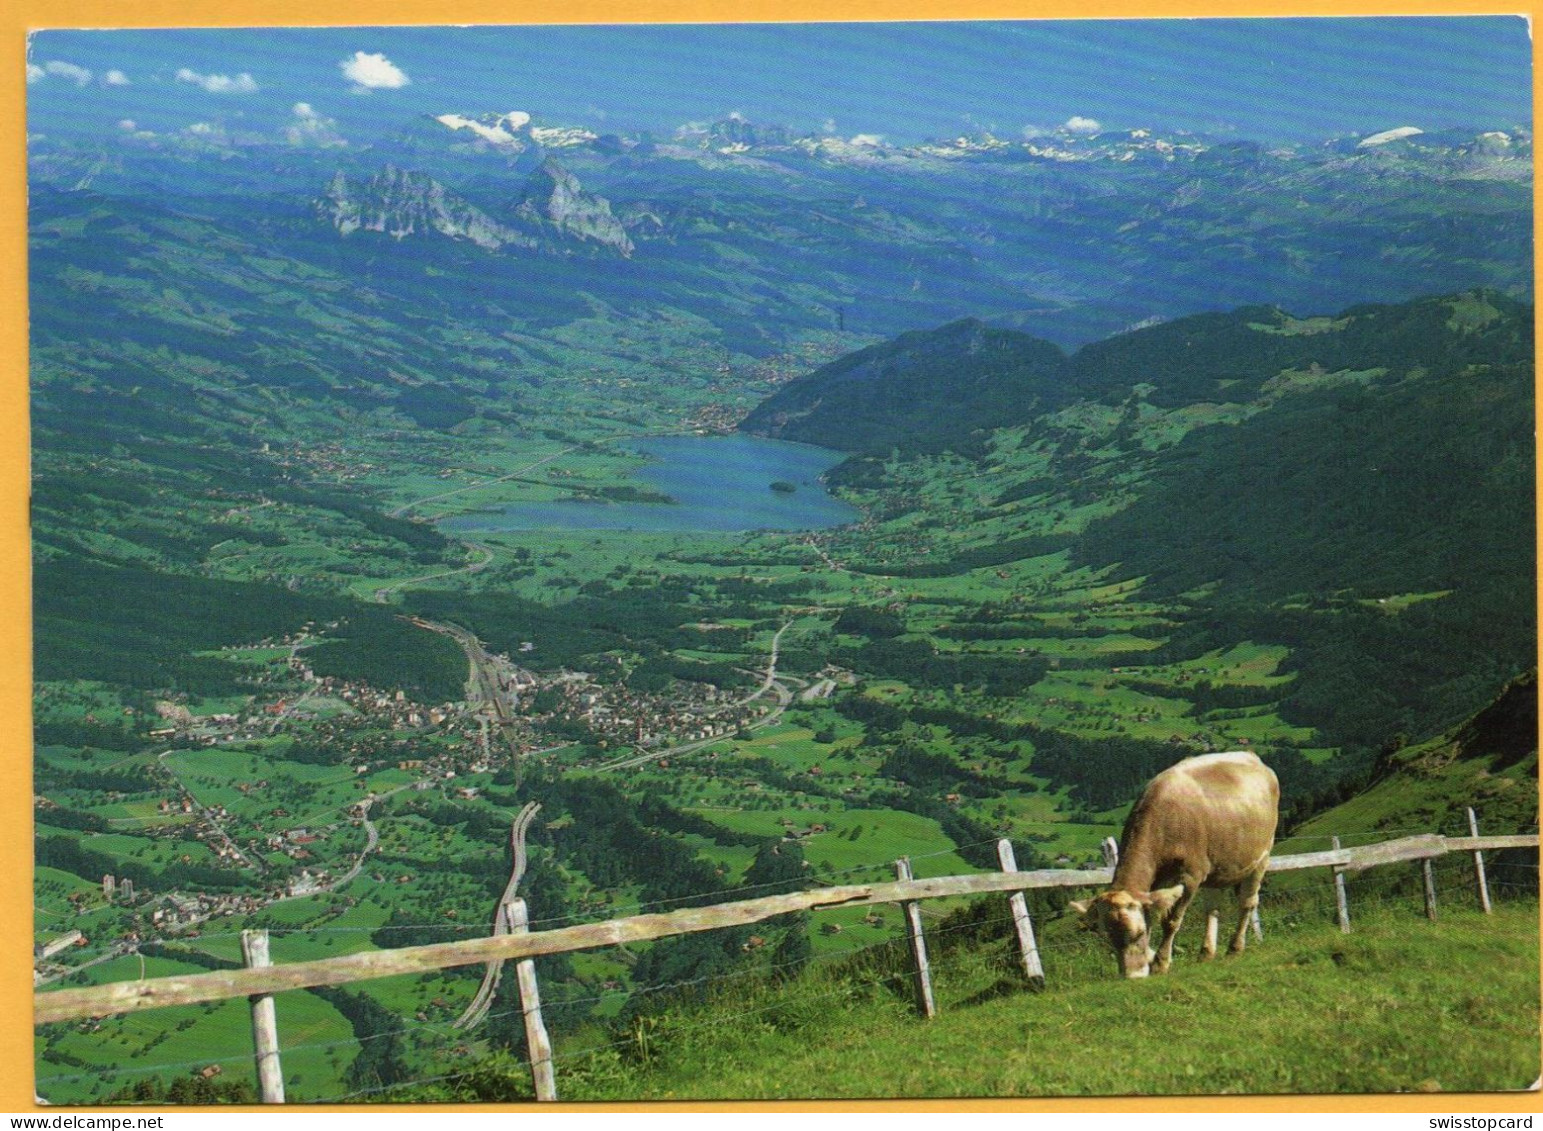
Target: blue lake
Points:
(719, 483)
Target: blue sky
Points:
(1275, 79)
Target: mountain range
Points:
(552, 211)
(1069, 235)
(932, 390)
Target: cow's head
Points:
(1122, 917)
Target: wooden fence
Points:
(260, 980)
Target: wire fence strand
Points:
(862, 968)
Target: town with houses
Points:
(520, 715)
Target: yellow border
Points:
(16, 1050)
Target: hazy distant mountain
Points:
(767, 234)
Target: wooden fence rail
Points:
(220, 985)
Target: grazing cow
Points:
(1207, 822)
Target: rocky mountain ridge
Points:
(553, 213)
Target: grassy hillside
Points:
(1399, 1005)
(1489, 762)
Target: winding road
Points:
(206, 812)
(385, 591)
(477, 1011)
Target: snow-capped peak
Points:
(501, 130)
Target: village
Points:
(349, 723)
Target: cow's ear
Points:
(1163, 900)
(1079, 908)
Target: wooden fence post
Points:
(1341, 901)
(1478, 865)
(1428, 866)
(911, 911)
(265, 1024)
(536, 1041)
(1027, 947)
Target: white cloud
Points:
(1080, 125)
(373, 72)
(116, 78)
(828, 126)
(131, 128)
(35, 73)
(78, 75)
(204, 129)
(219, 84)
(868, 141)
(310, 128)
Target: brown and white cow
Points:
(1207, 822)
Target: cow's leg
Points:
(1171, 924)
(1248, 899)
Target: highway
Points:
(475, 567)
(478, 1009)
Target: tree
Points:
(778, 867)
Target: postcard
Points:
(783, 561)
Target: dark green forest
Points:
(148, 634)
